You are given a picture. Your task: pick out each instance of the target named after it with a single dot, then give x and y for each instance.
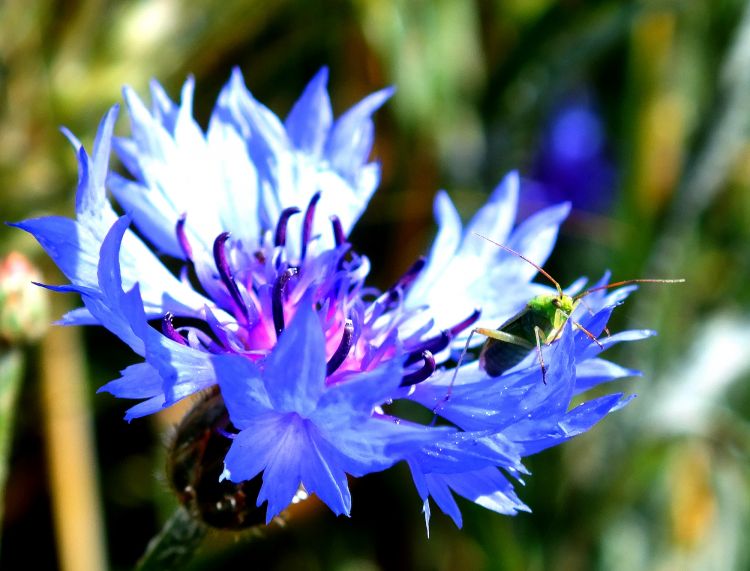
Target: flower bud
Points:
(195, 461)
(24, 309)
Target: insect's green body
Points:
(541, 321)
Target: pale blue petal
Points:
(443, 250)
(494, 220)
(350, 141)
(311, 117)
(534, 238)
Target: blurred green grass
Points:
(661, 485)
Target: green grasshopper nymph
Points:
(539, 323)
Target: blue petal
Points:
(579, 420)
(137, 381)
(162, 107)
(295, 370)
(70, 245)
(441, 493)
(361, 391)
(253, 446)
(310, 119)
(487, 488)
(321, 476)
(242, 388)
(605, 343)
(145, 408)
(593, 372)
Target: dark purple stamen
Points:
(433, 345)
(182, 237)
(168, 329)
(441, 341)
(277, 301)
(308, 223)
(422, 374)
(225, 273)
(286, 214)
(407, 279)
(468, 322)
(338, 231)
(342, 351)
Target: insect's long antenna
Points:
(524, 258)
(625, 282)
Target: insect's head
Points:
(565, 302)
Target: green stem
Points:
(175, 545)
(11, 373)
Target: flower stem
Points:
(175, 544)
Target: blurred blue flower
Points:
(573, 163)
(271, 303)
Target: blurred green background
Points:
(653, 97)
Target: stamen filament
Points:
(187, 250)
(286, 214)
(338, 231)
(277, 301)
(342, 351)
(407, 279)
(308, 223)
(433, 345)
(422, 374)
(167, 327)
(225, 273)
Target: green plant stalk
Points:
(175, 544)
(11, 374)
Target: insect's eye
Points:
(556, 302)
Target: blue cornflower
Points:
(272, 307)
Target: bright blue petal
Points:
(137, 382)
(70, 245)
(487, 488)
(555, 431)
(242, 388)
(253, 446)
(593, 372)
(295, 371)
(441, 493)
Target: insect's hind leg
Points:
(447, 396)
(539, 334)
